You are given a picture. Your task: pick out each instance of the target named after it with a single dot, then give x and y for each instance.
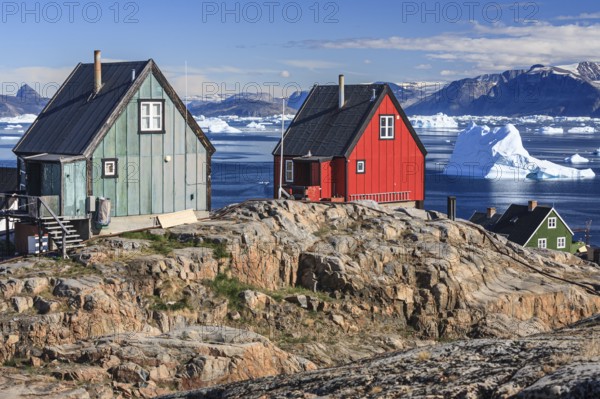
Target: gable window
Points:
(110, 168)
(561, 242)
(152, 116)
(551, 223)
(289, 171)
(542, 243)
(360, 167)
(386, 127)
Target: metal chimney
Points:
(491, 212)
(97, 72)
(342, 93)
(132, 75)
(452, 208)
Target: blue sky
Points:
(231, 46)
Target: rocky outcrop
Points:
(564, 364)
(329, 283)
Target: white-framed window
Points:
(110, 168)
(561, 242)
(386, 127)
(289, 171)
(152, 116)
(360, 167)
(551, 223)
(542, 243)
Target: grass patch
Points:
(161, 305)
(219, 250)
(230, 288)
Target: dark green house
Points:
(117, 131)
(530, 225)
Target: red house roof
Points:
(325, 130)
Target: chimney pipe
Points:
(97, 72)
(491, 212)
(132, 75)
(452, 208)
(342, 93)
(532, 205)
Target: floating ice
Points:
(437, 121)
(551, 130)
(215, 125)
(481, 152)
(582, 129)
(256, 126)
(576, 159)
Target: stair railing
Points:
(56, 219)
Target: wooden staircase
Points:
(69, 237)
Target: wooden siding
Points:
(390, 165)
(146, 183)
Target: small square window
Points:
(110, 168)
(152, 116)
(360, 167)
(289, 171)
(386, 127)
(542, 243)
(561, 242)
(551, 223)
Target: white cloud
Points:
(311, 65)
(285, 74)
(423, 66)
(585, 15)
(368, 62)
(44, 80)
(491, 48)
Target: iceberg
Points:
(215, 125)
(483, 153)
(256, 126)
(576, 159)
(582, 129)
(551, 130)
(437, 121)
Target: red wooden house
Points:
(352, 142)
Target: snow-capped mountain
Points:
(26, 101)
(570, 90)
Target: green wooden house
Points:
(117, 131)
(531, 225)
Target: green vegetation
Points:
(279, 295)
(160, 305)
(166, 243)
(230, 288)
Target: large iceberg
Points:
(25, 118)
(437, 121)
(481, 152)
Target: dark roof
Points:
(518, 224)
(323, 129)
(481, 219)
(75, 120)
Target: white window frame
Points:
(107, 173)
(551, 223)
(386, 127)
(361, 167)
(289, 171)
(152, 116)
(561, 242)
(542, 243)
